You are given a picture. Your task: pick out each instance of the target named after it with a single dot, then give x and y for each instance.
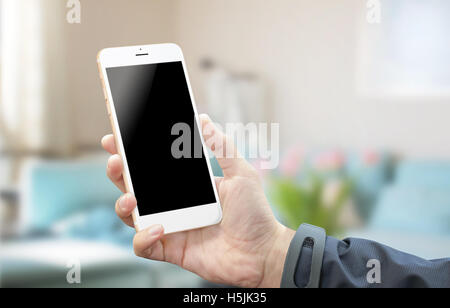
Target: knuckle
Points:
(118, 210)
(108, 173)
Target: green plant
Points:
(316, 199)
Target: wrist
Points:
(276, 256)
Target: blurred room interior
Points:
(362, 106)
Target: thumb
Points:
(224, 149)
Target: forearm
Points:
(363, 263)
(355, 263)
(358, 263)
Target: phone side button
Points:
(108, 108)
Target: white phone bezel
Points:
(176, 220)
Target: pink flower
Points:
(291, 163)
(370, 157)
(332, 160)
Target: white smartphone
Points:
(149, 99)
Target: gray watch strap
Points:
(318, 236)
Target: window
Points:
(407, 53)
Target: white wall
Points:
(106, 23)
(305, 49)
(308, 50)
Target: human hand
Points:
(246, 249)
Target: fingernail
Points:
(124, 202)
(155, 230)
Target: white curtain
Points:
(33, 110)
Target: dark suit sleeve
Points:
(362, 263)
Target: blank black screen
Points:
(149, 99)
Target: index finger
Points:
(109, 144)
(224, 149)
